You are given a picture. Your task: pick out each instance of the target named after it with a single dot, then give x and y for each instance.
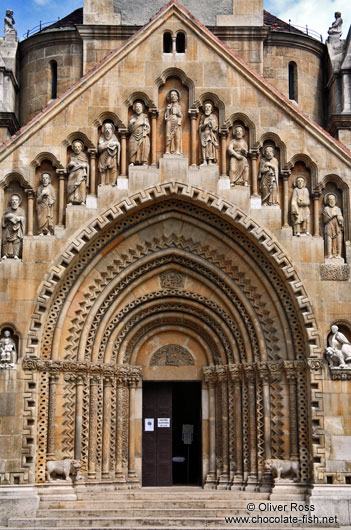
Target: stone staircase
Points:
(188, 508)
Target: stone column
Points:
(106, 429)
(53, 378)
(211, 478)
(346, 92)
(61, 199)
(291, 377)
(250, 377)
(193, 113)
(285, 174)
(224, 478)
(254, 171)
(78, 418)
(223, 134)
(131, 452)
(94, 382)
(237, 420)
(92, 151)
(123, 133)
(30, 209)
(120, 478)
(154, 113)
(316, 195)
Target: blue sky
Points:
(317, 14)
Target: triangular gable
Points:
(221, 49)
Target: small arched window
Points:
(53, 72)
(180, 42)
(293, 81)
(167, 42)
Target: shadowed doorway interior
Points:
(171, 434)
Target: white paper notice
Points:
(163, 422)
(149, 424)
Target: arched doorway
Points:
(187, 272)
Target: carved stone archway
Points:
(239, 297)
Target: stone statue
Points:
(13, 228)
(173, 117)
(67, 469)
(208, 128)
(333, 227)
(46, 199)
(8, 352)
(139, 141)
(110, 153)
(9, 23)
(338, 352)
(336, 27)
(78, 174)
(237, 150)
(300, 211)
(282, 468)
(269, 177)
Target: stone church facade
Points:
(175, 203)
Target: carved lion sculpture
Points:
(279, 468)
(62, 468)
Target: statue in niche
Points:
(269, 175)
(208, 128)
(46, 198)
(110, 153)
(13, 228)
(333, 227)
(8, 352)
(9, 23)
(78, 174)
(300, 211)
(338, 352)
(237, 150)
(336, 27)
(139, 141)
(173, 117)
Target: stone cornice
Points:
(39, 40)
(10, 121)
(338, 121)
(295, 40)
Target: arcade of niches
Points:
(175, 218)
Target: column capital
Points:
(92, 151)
(285, 173)
(154, 111)
(30, 193)
(193, 113)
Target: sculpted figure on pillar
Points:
(46, 198)
(208, 128)
(173, 117)
(13, 228)
(8, 352)
(300, 211)
(333, 227)
(139, 141)
(338, 352)
(78, 174)
(110, 153)
(9, 23)
(237, 150)
(336, 27)
(269, 177)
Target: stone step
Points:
(143, 504)
(223, 495)
(140, 512)
(146, 526)
(123, 522)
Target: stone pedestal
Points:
(331, 501)
(239, 195)
(285, 490)
(173, 167)
(204, 177)
(92, 201)
(142, 177)
(108, 195)
(20, 501)
(269, 216)
(78, 215)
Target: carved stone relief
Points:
(13, 228)
(78, 174)
(208, 130)
(300, 211)
(139, 141)
(109, 148)
(8, 351)
(46, 198)
(333, 228)
(172, 279)
(237, 151)
(171, 355)
(269, 177)
(173, 118)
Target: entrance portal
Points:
(171, 433)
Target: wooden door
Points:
(157, 442)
